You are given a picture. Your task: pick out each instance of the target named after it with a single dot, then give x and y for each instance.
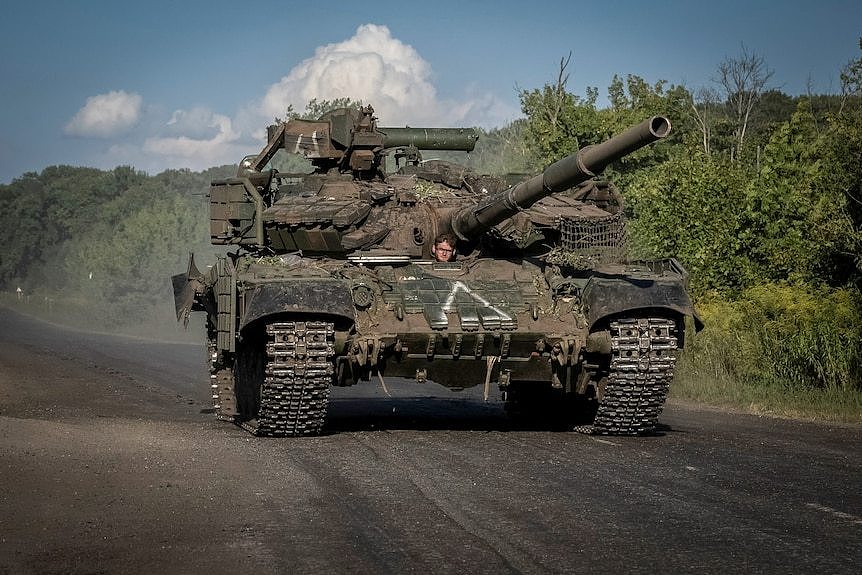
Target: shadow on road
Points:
(444, 414)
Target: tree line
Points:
(759, 194)
(102, 244)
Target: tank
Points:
(370, 262)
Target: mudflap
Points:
(186, 287)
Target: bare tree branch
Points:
(744, 80)
(702, 105)
(559, 92)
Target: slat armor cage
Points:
(587, 242)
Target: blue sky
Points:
(160, 84)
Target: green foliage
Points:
(690, 207)
(128, 272)
(851, 76)
(104, 242)
(734, 226)
(770, 234)
(46, 209)
(636, 101)
(801, 219)
(779, 348)
(315, 109)
(842, 156)
(773, 109)
(502, 151)
(558, 122)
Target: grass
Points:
(775, 398)
(780, 350)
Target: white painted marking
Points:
(461, 286)
(835, 513)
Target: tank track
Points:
(297, 376)
(641, 370)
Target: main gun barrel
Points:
(462, 139)
(559, 176)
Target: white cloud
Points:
(199, 123)
(380, 70)
(106, 115)
(373, 67)
(206, 139)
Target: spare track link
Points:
(297, 377)
(222, 384)
(641, 370)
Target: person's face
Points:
(443, 252)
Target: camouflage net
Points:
(585, 243)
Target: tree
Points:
(744, 79)
(558, 122)
(498, 151)
(774, 108)
(632, 102)
(703, 107)
(844, 155)
(692, 207)
(851, 79)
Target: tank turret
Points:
(350, 204)
(346, 202)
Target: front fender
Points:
(299, 296)
(611, 296)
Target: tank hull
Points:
(304, 325)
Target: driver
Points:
(444, 247)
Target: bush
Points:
(805, 336)
(795, 349)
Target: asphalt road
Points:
(110, 463)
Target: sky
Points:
(192, 84)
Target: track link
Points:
(641, 370)
(297, 377)
(222, 384)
